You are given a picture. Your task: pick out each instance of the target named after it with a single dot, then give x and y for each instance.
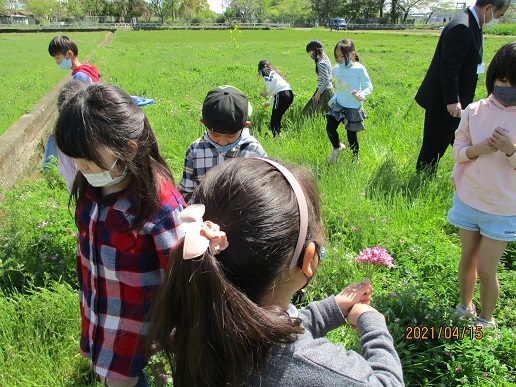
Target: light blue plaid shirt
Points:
(201, 156)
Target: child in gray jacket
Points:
(223, 317)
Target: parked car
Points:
(338, 23)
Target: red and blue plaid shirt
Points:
(119, 270)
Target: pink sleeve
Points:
(462, 138)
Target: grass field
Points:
(28, 72)
(380, 201)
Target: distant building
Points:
(15, 13)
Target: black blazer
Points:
(452, 75)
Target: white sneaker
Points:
(465, 313)
(332, 158)
(482, 322)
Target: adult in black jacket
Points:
(450, 82)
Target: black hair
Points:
(61, 45)
(317, 48)
(102, 115)
(264, 67)
(503, 66)
(213, 303)
(69, 89)
(314, 45)
(346, 47)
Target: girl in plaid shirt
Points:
(127, 214)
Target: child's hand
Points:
(358, 292)
(502, 141)
(482, 148)
(266, 104)
(356, 311)
(264, 94)
(316, 97)
(357, 95)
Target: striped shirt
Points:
(324, 74)
(201, 156)
(119, 270)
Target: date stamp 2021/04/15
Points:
(445, 332)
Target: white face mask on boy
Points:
(104, 179)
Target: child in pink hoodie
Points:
(484, 176)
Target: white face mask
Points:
(492, 22)
(104, 179)
(66, 64)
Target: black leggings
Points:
(282, 102)
(331, 128)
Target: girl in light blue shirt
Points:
(352, 86)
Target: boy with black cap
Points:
(225, 114)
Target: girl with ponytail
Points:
(323, 68)
(222, 317)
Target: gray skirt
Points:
(312, 108)
(353, 119)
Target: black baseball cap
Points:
(225, 110)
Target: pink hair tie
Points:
(302, 205)
(200, 235)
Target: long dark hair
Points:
(103, 115)
(346, 47)
(317, 48)
(503, 66)
(264, 67)
(212, 304)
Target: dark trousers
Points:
(331, 129)
(438, 133)
(282, 102)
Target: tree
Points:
(136, 8)
(191, 8)
(326, 9)
(246, 9)
(394, 11)
(75, 8)
(95, 7)
(405, 6)
(361, 10)
(4, 7)
(287, 11)
(381, 6)
(42, 8)
(436, 6)
(158, 9)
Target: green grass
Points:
(379, 201)
(28, 72)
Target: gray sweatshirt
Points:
(314, 361)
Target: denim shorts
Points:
(497, 227)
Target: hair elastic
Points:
(303, 208)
